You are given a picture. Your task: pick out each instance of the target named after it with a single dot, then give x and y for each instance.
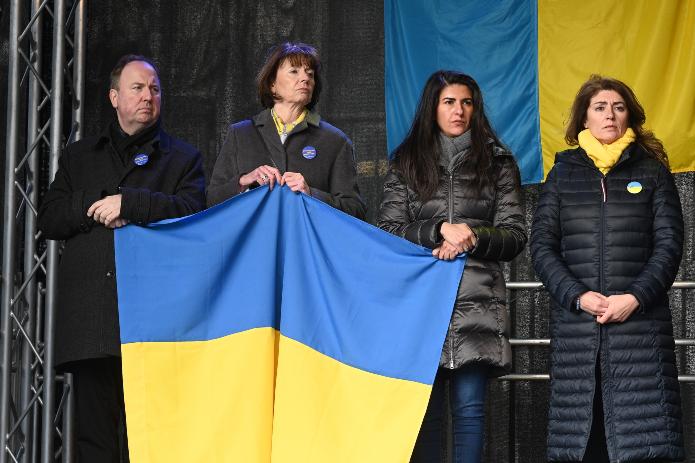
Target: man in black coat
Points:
(133, 172)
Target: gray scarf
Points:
(454, 149)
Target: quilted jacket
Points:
(616, 233)
(479, 327)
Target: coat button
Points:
(109, 274)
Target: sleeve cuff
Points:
(135, 205)
(577, 306)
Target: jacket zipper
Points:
(597, 387)
(451, 198)
(451, 220)
(603, 233)
(603, 190)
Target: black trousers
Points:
(596, 449)
(99, 410)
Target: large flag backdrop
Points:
(276, 328)
(531, 56)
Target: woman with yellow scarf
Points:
(606, 242)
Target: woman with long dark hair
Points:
(453, 187)
(606, 242)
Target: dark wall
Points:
(209, 53)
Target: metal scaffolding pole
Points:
(9, 224)
(78, 70)
(77, 132)
(58, 79)
(29, 362)
(29, 422)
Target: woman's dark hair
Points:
(299, 54)
(635, 114)
(417, 157)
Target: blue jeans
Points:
(467, 387)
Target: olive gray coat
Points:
(329, 169)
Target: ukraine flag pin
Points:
(634, 187)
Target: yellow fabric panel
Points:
(181, 406)
(648, 44)
(326, 411)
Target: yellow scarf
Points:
(284, 129)
(604, 156)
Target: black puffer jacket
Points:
(479, 327)
(613, 234)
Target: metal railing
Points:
(545, 342)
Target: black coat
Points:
(171, 184)
(479, 327)
(591, 233)
(330, 174)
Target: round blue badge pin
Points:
(141, 159)
(309, 152)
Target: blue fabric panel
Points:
(284, 260)
(494, 42)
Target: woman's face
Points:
(293, 84)
(454, 110)
(606, 116)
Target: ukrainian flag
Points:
(274, 328)
(530, 58)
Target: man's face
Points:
(137, 100)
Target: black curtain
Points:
(209, 53)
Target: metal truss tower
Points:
(45, 84)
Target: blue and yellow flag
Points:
(274, 328)
(531, 56)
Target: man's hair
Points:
(122, 62)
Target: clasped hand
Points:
(458, 238)
(263, 175)
(608, 309)
(107, 211)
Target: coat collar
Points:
(161, 141)
(266, 129)
(264, 118)
(497, 152)
(263, 122)
(578, 156)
